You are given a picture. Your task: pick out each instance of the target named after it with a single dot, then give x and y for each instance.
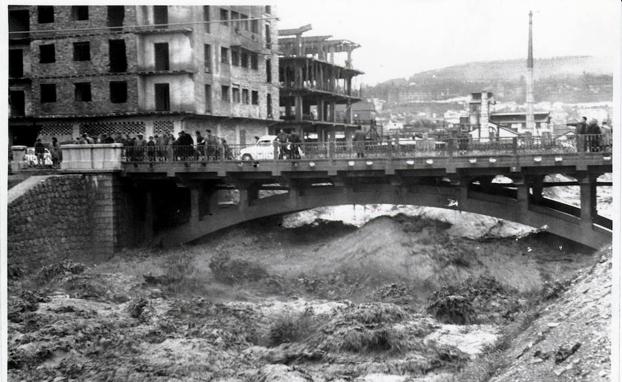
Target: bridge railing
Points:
(391, 148)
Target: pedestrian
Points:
(282, 141)
(55, 152)
(359, 143)
(580, 132)
(606, 134)
(593, 133)
(211, 145)
(108, 138)
(200, 145)
(40, 153)
(228, 154)
(151, 149)
(295, 144)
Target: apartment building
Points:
(142, 70)
(314, 82)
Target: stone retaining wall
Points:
(70, 216)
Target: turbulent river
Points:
(348, 293)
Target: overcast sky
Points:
(401, 37)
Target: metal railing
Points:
(387, 148)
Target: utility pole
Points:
(530, 123)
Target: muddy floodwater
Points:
(295, 298)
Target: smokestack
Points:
(530, 124)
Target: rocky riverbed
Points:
(401, 298)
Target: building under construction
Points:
(313, 84)
(141, 70)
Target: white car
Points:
(31, 158)
(262, 149)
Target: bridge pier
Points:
(195, 195)
(587, 186)
(536, 188)
(249, 192)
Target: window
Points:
(16, 63)
(80, 12)
(268, 9)
(244, 21)
(268, 37)
(162, 97)
(245, 99)
(118, 91)
(45, 14)
(269, 71)
(81, 51)
(207, 57)
(224, 16)
(206, 17)
(236, 94)
(19, 21)
(117, 56)
(18, 103)
(160, 16)
(47, 54)
(224, 90)
(235, 20)
(208, 98)
(224, 55)
(48, 93)
(82, 91)
(269, 105)
(235, 57)
(255, 26)
(244, 59)
(161, 56)
(255, 97)
(116, 15)
(254, 61)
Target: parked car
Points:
(31, 158)
(262, 149)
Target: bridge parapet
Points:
(92, 157)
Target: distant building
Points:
(481, 113)
(141, 70)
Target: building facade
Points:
(142, 70)
(313, 84)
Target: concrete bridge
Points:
(178, 200)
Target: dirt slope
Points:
(578, 321)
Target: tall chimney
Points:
(530, 124)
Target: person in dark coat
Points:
(295, 144)
(211, 145)
(359, 143)
(282, 139)
(580, 134)
(40, 152)
(151, 149)
(593, 131)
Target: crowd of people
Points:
(165, 147)
(290, 145)
(590, 137)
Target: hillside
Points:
(565, 79)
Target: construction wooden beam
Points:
(295, 31)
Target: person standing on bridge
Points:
(580, 134)
(282, 139)
(359, 143)
(40, 152)
(593, 131)
(211, 145)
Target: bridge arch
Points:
(553, 217)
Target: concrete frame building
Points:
(313, 84)
(142, 70)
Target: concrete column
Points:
(248, 193)
(536, 188)
(148, 216)
(195, 194)
(587, 185)
(333, 113)
(298, 107)
(177, 127)
(148, 128)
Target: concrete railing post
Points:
(92, 157)
(19, 152)
(587, 185)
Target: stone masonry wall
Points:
(69, 217)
